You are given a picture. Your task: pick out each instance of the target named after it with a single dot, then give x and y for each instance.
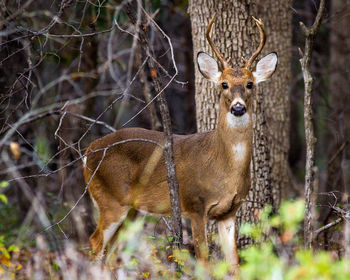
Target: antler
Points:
(260, 25)
(223, 62)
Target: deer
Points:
(213, 168)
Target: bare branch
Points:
(308, 116)
(331, 224)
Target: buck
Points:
(213, 168)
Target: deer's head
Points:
(236, 84)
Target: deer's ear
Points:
(265, 67)
(208, 67)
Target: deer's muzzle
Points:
(238, 110)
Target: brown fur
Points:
(213, 183)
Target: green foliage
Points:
(291, 213)
(277, 253)
(274, 234)
(261, 263)
(42, 147)
(221, 269)
(55, 266)
(6, 265)
(9, 219)
(3, 198)
(318, 265)
(4, 184)
(8, 216)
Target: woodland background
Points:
(72, 71)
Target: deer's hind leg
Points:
(111, 216)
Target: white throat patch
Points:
(239, 151)
(234, 121)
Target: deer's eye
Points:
(249, 85)
(224, 85)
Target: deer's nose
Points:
(238, 110)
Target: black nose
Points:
(238, 110)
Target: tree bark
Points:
(305, 61)
(236, 36)
(277, 18)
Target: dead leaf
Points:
(153, 73)
(15, 150)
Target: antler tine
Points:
(223, 62)
(260, 25)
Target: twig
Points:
(305, 61)
(37, 114)
(112, 103)
(104, 150)
(93, 121)
(325, 227)
(37, 204)
(72, 162)
(130, 64)
(341, 148)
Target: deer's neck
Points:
(234, 138)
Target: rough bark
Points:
(171, 171)
(236, 36)
(305, 60)
(274, 94)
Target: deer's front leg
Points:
(227, 235)
(198, 224)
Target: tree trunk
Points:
(236, 36)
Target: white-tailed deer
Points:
(212, 168)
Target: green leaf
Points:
(13, 248)
(42, 146)
(275, 221)
(292, 213)
(5, 253)
(246, 229)
(4, 184)
(3, 198)
(221, 270)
